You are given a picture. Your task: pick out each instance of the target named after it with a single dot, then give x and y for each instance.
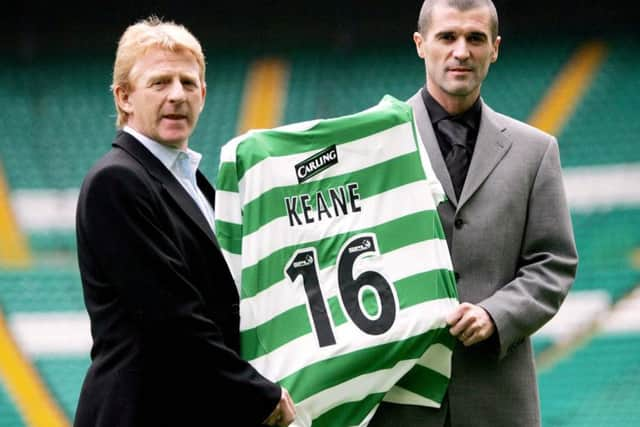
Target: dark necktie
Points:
(459, 157)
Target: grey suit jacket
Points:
(514, 254)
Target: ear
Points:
(123, 99)
(496, 48)
(419, 41)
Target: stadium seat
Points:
(595, 386)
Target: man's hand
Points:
(284, 413)
(470, 323)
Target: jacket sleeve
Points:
(548, 260)
(118, 224)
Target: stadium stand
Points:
(62, 117)
(9, 415)
(606, 241)
(326, 84)
(63, 375)
(595, 386)
(40, 290)
(604, 128)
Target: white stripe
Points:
(53, 333)
(383, 207)
(353, 390)
(228, 150)
(437, 192)
(234, 262)
(625, 316)
(44, 210)
(228, 207)
(437, 358)
(304, 350)
(280, 171)
(403, 396)
(395, 265)
(576, 315)
(603, 187)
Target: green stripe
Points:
(425, 382)
(348, 414)
(337, 313)
(426, 286)
(277, 332)
(313, 379)
(295, 322)
(229, 236)
(273, 142)
(227, 179)
(413, 228)
(371, 181)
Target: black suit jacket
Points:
(162, 303)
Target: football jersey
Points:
(331, 232)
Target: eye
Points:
(477, 38)
(158, 82)
(447, 36)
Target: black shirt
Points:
(471, 118)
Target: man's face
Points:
(457, 50)
(166, 96)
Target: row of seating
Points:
(63, 376)
(9, 414)
(61, 120)
(62, 115)
(606, 241)
(595, 386)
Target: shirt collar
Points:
(471, 117)
(166, 155)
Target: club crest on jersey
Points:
(316, 163)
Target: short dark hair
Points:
(427, 8)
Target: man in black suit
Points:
(162, 303)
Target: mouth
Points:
(175, 117)
(459, 69)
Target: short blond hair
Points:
(136, 41)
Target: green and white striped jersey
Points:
(331, 231)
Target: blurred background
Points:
(570, 68)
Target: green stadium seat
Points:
(604, 128)
(9, 415)
(41, 290)
(595, 386)
(63, 376)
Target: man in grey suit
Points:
(506, 221)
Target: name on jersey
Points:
(338, 201)
(316, 163)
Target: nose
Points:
(176, 91)
(461, 50)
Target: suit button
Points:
(458, 223)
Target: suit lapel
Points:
(168, 182)
(425, 129)
(491, 146)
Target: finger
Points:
(461, 325)
(455, 315)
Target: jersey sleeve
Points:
(228, 211)
(434, 184)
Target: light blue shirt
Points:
(183, 166)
